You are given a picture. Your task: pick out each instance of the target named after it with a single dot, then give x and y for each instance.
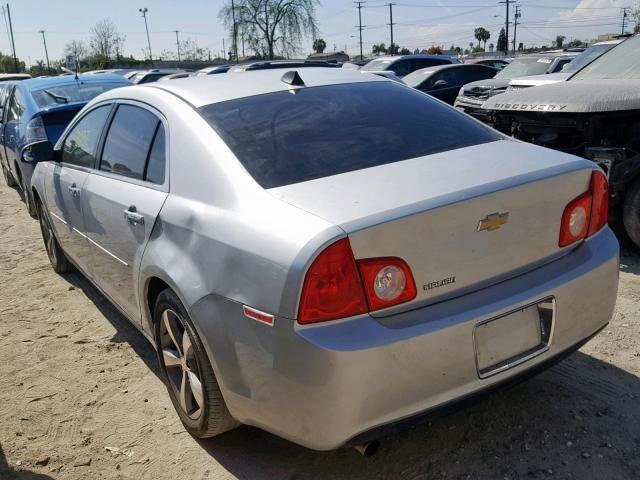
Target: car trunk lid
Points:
(462, 219)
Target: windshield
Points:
(378, 65)
(524, 67)
(416, 78)
(586, 57)
(71, 93)
(282, 138)
(621, 62)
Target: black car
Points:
(445, 81)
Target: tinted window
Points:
(73, 92)
(80, 145)
(401, 67)
(16, 106)
(156, 164)
(282, 138)
(473, 74)
(128, 141)
(428, 62)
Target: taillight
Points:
(387, 282)
(35, 131)
(334, 289)
(587, 214)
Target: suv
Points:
(595, 114)
(149, 76)
(472, 96)
(37, 110)
(405, 64)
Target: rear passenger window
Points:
(156, 164)
(128, 142)
(80, 145)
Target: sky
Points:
(418, 23)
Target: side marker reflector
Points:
(258, 315)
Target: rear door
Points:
(448, 91)
(123, 198)
(63, 188)
(12, 131)
(6, 90)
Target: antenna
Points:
(292, 78)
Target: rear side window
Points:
(79, 147)
(128, 141)
(16, 105)
(281, 138)
(156, 164)
(428, 62)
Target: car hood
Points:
(537, 80)
(574, 96)
(488, 84)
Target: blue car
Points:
(38, 110)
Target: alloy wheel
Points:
(180, 363)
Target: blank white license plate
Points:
(502, 342)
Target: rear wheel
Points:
(58, 259)
(31, 203)
(8, 177)
(631, 212)
(186, 371)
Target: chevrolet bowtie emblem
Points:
(493, 222)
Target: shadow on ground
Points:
(576, 420)
(9, 473)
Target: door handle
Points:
(133, 217)
(74, 191)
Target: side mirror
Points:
(39, 152)
(440, 84)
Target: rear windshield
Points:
(71, 93)
(283, 138)
(524, 67)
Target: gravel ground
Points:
(80, 398)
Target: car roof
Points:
(44, 82)
(415, 55)
(204, 90)
(437, 68)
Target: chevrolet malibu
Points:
(321, 253)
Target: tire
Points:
(32, 208)
(8, 177)
(631, 212)
(205, 414)
(57, 257)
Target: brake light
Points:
(35, 131)
(600, 206)
(587, 214)
(333, 287)
(387, 282)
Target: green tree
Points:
(482, 35)
(379, 49)
(393, 49)
(502, 42)
(319, 45)
(272, 25)
(560, 40)
(405, 51)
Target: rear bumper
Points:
(321, 386)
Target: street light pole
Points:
(178, 44)
(46, 53)
(144, 11)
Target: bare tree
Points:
(105, 40)
(77, 48)
(270, 25)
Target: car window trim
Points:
(164, 187)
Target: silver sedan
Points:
(321, 253)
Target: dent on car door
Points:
(122, 201)
(11, 130)
(64, 185)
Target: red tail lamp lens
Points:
(332, 288)
(600, 206)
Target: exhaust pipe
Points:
(368, 449)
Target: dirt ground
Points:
(80, 398)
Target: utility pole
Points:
(6, 24)
(224, 50)
(235, 30)
(624, 18)
(517, 15)
(13, 43)
(242, 37)
(360, 26)
(177, 43)
(391, 24)
(506, 21)
(144, 11)
(46, 53)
